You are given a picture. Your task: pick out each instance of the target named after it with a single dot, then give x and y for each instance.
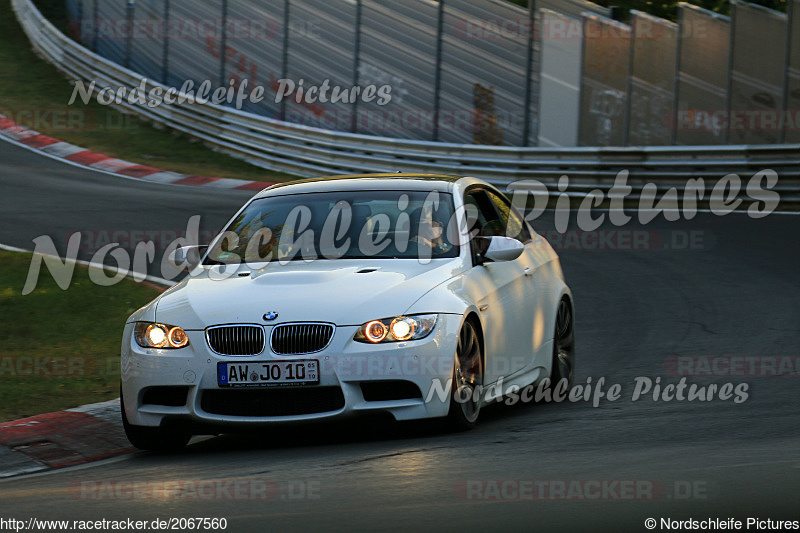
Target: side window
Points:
(513, 225)
(482, 219)
(476, 216)
(482, 215)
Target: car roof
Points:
(350, 182)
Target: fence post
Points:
(581, 118)
(526, 127)
(223, 42)
(729, 88)
(285, 54)
(356, 54)
(676, 82)
(128, 41)
(790, 12)
(165, 52)
(81, 25)
(437, 84)
(95, 22)
(626, 119)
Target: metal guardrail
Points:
(307, 151)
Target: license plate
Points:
(268, 374)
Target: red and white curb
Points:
(58, 149)
(53, 440)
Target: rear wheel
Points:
(563, 346)
(155, 439)
(467, 388)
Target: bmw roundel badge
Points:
(271, 315)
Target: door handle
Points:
(528, 271)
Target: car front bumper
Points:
(347, 369)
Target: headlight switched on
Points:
(153, 335)
(396, 329)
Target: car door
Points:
(500, 290)
(534, 329)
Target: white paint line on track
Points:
(148, 277)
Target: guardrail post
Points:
(285, 54)
(223, 42)
(790, 12)
(526, 127)
(129, 10)
(165, 52)
(356, 54)
(437, 84)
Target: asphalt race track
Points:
(736, 292)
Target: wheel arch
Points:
(566, 294)
(472, 316)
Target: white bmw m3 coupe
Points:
(416, 295)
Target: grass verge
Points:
(34, 94)
(60, 349)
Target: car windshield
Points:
(341, 225)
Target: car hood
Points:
(344, 292)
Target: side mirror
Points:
(502, 248)
(187, 254)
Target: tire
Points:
(467, 377)
(154, 439)
(563, 346)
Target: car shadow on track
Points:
(495, 417)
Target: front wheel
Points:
(154, 439)
(467, 387)
(563, 347)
